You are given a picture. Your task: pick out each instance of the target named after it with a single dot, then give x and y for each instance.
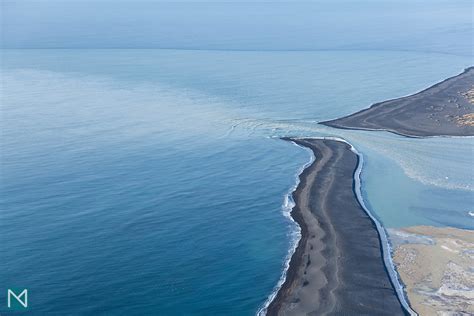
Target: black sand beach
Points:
(445, 109)
(338, 266)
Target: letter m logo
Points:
(17, 299)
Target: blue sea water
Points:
(152, 181)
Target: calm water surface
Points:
(151, 181)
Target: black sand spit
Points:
(432, 112)
(338, 266)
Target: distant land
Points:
(444, 109)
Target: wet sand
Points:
(337, 267)
(445, 109)
(436, 266)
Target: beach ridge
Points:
(443, 109)
(338, 264)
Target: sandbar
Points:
(337, 267)
(444, 109)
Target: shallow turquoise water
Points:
(151, 181)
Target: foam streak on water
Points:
(295, 233)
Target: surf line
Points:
(384, 242)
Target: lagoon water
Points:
(151, 181)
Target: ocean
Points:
(153, 181)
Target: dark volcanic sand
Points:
(431, 112)
(338, 266)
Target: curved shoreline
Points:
(384, 241)
(285, 301)
(287, 208)
(431, 112)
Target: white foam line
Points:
(386, 247)
(287, 207)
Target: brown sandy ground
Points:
(437, 267)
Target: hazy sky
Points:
(445, 26)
